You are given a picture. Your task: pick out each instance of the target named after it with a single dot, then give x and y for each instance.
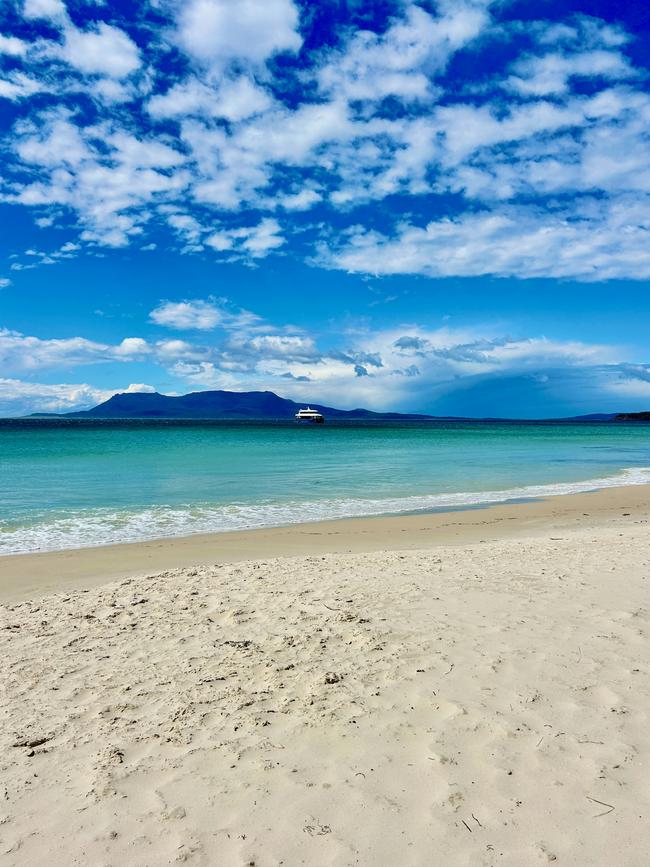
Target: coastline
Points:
(29, 575)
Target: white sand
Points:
(477, 705)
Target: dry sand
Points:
(483, 703)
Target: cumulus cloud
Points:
(16, 85)
(302, 200)
(598, 243)
(46, 9)
(103, 173)
(284, 346)
(454, 361)
(205, 375)
(204, 130)
(401, 61)
(183, 315)
(215, 32)
(254, 241)
(404, 368)
(20, 352)
(104, 49)
(551, 73)
(233, 99)
(201, 315)
(139, 388)
(12, 45)
(19, 398)
(376, 370)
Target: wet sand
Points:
(27, 575)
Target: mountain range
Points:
(256, 405)
(219, 405)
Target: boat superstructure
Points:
(309, 416)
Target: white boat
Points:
(309, 416)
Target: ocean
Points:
(78, 483)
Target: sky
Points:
(436, 207)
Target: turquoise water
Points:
(71, 484)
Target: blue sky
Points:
(420, 206)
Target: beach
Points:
(463, 688)
(324, 434)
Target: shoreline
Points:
(29, 575)
(485, 702)
(87, 529)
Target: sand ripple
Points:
(475, 705)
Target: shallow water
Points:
(75, 483)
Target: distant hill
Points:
(265, 405)
(219, 405)
(632, 416)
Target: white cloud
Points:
(380, 375)
(259, 240)
(206, 375)
(281, 345)
(550, 74)
(187, 315)
(140, 388)
(187, 98)
(4, 282)
(52, 9)
(253, 241)
(55, 142)
(132, 347)
(601, 243)
(448, 360)
(300, 201)
(202, 315)
(583, 31)
(215, 32)
(138, 153)
(402, 61)
(12, 46)
(250, 138)
(17, 86)
(36, 258)
(19, 352)
(292, 137)
(168, 351)
(397, 365)
(232, 99)
(467, 128)
(19, 398)
(110, 91)
(187, 226)
(234, 168)
(106, 175)
(105, 49)
(630, 383)
(390, 368)
(239, 98)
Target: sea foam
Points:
(96, 527)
